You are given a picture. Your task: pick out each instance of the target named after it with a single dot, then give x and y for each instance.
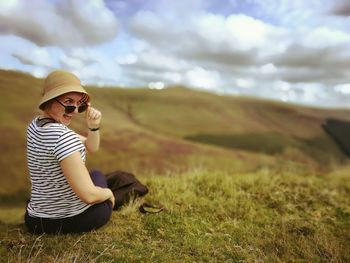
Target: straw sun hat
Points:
(58, 83)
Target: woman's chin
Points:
(66, 120)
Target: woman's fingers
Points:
(93, 113)
(93, 116)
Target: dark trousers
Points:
(93, 218)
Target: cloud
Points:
(341, 8)
(315, 58)
(242, 45)
(78, 58)
(70, 63)
(36, 56)
(201, 78)
(60, 23)
(239, 32)
(151, 27)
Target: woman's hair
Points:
(46, 105)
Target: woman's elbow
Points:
(92, 149)
(89, 198)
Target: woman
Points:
(65, 198)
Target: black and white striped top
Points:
(51, 195)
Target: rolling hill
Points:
(174, 129)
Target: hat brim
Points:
(60, 91)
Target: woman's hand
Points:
(93, 117)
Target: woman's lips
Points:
(67, 117)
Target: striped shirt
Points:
(51, 195)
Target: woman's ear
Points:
(46, 105)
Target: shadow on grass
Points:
(270, 143)
(321, 149)
(12, 210)
(16, 199)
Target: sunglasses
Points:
(71, 109)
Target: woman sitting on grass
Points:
(65, 198)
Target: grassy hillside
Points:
(241, 180)
(151, 131)
(253, 125)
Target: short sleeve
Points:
(67, 144)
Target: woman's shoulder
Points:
(49, 128)
(59, 130)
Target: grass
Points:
(267, 216)
(271, 187)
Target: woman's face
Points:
(57, 111)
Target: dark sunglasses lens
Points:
(82, 108)
(69, 109)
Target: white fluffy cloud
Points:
(37, 56)
(63, 23)
(201, 78)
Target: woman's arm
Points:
(93, 120)
(92, 141)
(79, 179)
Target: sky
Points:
(294, 51)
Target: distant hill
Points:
(174, 129)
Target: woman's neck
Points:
(46, 115)
(42, 121)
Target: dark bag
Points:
(339, 131)
(125, 187)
